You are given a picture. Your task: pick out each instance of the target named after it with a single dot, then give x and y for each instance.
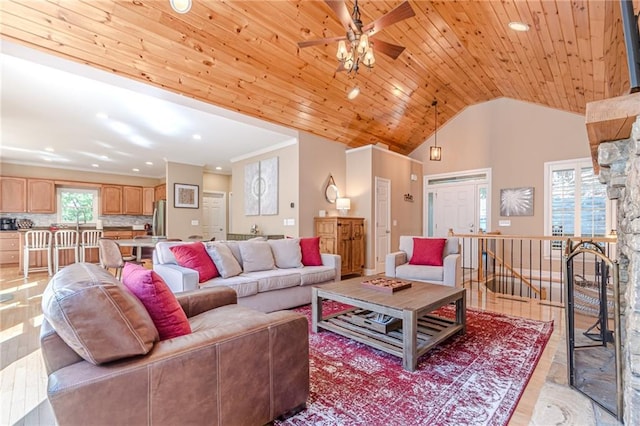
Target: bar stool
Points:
(90, 239)
(36, 240)
(65, 239)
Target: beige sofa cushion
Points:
(96, 316)
(224, 260)
(256, 256)
(286, 252)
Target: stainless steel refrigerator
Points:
(160, 218)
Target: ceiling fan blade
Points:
(398, 14)
(343, 14)
(327, 40)
(391, 50)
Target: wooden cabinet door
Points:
(132, 200)
(160, 192)
(13, 195)
(357, 246)
(41, 196)
(111, 199)
(148, 197)
(344, 246)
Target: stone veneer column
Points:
(620, 170)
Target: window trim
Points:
(577, 164)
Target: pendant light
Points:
(435, 152)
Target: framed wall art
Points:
(516, 201)
(186, 196)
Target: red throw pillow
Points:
(310, 248)
(195, 256)
(427, 251)
(162, 305)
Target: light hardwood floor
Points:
(23, 378)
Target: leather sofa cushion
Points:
(96, 316)
(316, 274)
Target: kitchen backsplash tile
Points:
(110, 220)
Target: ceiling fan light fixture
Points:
(180, 6)
(353, 93)
(343, 53)
(518, 26)
(369, 59)
(363, 44)
(435, 151)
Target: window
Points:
(576, 202)
(77, 205)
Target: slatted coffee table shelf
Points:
(414, 329)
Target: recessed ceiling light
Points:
(102, 115)
(353, 93)
(104, 157)
(48, 159)
(218, 168)
(518, 26)
(135, 170)
(95, 165)
(197, 137)
(49, 149)
(180, 6)
(149, 163)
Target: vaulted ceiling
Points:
(244, 56)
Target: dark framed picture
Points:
(186, 196)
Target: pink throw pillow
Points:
(427, 251)
(195, 256)
(162, 305)
(310, 248)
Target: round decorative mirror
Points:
(331, 191)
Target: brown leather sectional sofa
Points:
(237, 367)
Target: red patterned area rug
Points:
(471, 379)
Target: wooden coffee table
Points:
(412, 332)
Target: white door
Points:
(383, 222)
(456, 208)
(214, 217)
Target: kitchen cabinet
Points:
(148, 198)
(132, 200)
(161, 192)
(41, 196)
(13, 195)
(111, 199)
(343, 236)
(9, 248)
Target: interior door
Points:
(214, 218)
(382, 221)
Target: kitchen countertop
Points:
(82, 228)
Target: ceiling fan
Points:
(358, 48)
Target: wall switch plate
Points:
(195, 222)
(504, 223)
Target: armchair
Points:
(106, 364)
(397, 263)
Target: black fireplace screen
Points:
(593, 325)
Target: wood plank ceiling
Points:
(243, 55)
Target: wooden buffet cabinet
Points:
(344, 236)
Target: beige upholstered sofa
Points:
(397, 263)
(267, 290)
(106, 365)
